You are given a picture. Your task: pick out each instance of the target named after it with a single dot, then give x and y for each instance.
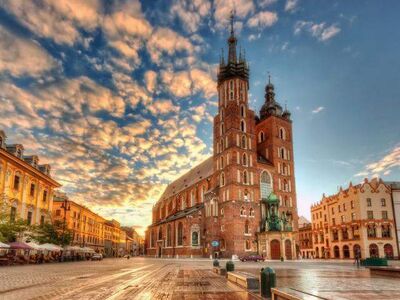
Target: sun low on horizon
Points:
(119, 97)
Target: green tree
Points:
(52, 233)
(11, 229)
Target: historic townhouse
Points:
(358, 219)
(112, 238)
(26, 187)
(242, 200)
(87, 227)
(305, 238)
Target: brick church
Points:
(241, 200)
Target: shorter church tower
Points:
(275, 143)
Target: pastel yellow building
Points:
(358, 219)
(26, 187)
(87, 226)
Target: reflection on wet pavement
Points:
(144, 278)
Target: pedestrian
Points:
(357, 258)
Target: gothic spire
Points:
(233, 66)
(232, 41)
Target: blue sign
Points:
(215, 243)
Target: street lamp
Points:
(66, 207)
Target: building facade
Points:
(26, 187)
(112, 238)
(306, 239)
(358, 219)
(395, 189)
(87, 227)
(242, 200)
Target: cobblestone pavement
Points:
(146, 278)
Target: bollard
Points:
(267, 281)
(230, 266)
(216, 263)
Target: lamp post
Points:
(66, 207)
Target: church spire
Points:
(232, 41)
(233, 66)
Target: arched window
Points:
(153, 238)
(179, 234)
(265, 185)
(248, 245)
(231, 90)
(244, 159)
(222, 129)
(222, 114)
(242, 211)
(282, 153)
(261, 137)
(245, 177)
(221, 160)
(282, 133)
(244, 142)
(242, 126)
(195, 238)
(221, 145)
(242, 111)
(222, 179)
(251, 213)
(246, 195)
(246, 227)
(160, 236)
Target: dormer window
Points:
(19, 153)
(1, 142)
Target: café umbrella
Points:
(4, 246)
(20, 246)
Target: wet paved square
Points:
(146, 278)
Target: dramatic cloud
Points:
(263, 19)
(223, 10)
(384, 166)
(191, 13)
(20, 56)
(291, 5)
(58, 20)
(167, 41)
(265, 3)
(321, 31)
(185, 83)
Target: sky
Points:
(119, 96)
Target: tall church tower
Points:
(235, 156)
(275, 143)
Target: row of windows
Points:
(32, 189)
(343, 207)
(281, 135)
(242, 127)
(227, 91)
(195, 236)
(181, 202)
(242, 112)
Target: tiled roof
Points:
(198, 173)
